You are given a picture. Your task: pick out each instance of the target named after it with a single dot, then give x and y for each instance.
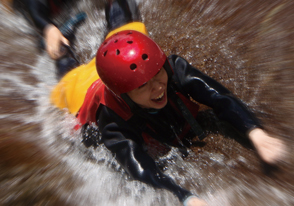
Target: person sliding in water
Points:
(56, 41)
(144, 96)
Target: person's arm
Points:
(125, 143)
(39, 12)
(206, 90)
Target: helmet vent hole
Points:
(145, 57)
(105, 42)
(117, 52)
(104, 54)
(115, 41)
(129, 42)
(133, 66)
(129, 33)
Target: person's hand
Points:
(194, 201)
(270, 149)
(54, 39)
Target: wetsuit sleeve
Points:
(126, 144)
(39, 12)
(208, 91)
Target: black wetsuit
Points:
(40, 12)
(124, 138)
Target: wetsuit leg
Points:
(121, 12)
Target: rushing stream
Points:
(246, 45)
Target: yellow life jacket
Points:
(70, 92)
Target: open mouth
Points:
(159, 98)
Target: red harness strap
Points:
(98, 94)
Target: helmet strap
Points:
(168, 69)
(133, 106)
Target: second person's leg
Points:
(121, 12)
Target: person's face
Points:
(152, 94)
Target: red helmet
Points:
(127, 60)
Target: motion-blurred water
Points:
(246, 45)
